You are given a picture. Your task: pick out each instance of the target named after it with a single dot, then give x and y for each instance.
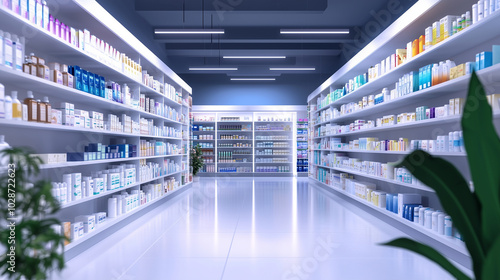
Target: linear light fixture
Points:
(255, 57)
(211, 69)
(189, 31)
(314, 31)
(253, 79)
(293, 69)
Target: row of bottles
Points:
(30, 110)
(441, 71)
(11, 51)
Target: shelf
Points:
(273, 122)
(204, 122)
(234, 148)
(474, 35)
(25, 81)
(257, 155)
(110, 222)
(273, 162)
(234, 139)
(273, 131)
(234, 121)
(448, 241)
(418, 187)
(242, 154)
(203, 131)
(450, 154)
(224, 131)
(199, 140)
(106, 193)
(273, 140)
(455, 85)
(445, 120)
(273, 172)
(234, 162)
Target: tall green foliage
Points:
(196, 159)
(25, 219)
(475, 214)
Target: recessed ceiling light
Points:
(189, 31)
(253, 79)
(292, 69)
(211, 69)
(255, 57)
(314, 31)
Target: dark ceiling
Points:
(252, 27)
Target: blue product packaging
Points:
(91, 83)
(76, 156)
(416, 81)
(103, 87)
(496, 54)
(395, 204)
(420, 75)
(97, 85)
(486, 60)
(76, 71)
(85, 81)
(388, 202)
(478, 61)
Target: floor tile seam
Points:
(232, 240)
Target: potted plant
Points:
(475, 213)
(28, 231)
(196, 161)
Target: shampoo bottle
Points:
(17, 109)
(42, 111)
(48, 110)
(32, 107)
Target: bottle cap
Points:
(30, 94)
(14, 94)
(46, 99)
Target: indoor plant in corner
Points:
(196, 161)
(475, 213)
(32, 241)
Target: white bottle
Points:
(17, 54)
(456, 142)
(17, 107)
(3, 146)
(450, 142)
(7, 50)
(8, 108)
(461, 141)
(480, 10)
(474, 13)
(2, 102)
(486, 12)
(1, 47)
(492, 6)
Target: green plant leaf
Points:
(455, 196)
(483, 153)
(491, 269)
(429, 253)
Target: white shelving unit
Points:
(262, 134)
(203, 128)
(460, 48)
(52, 138)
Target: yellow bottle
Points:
(17, 108)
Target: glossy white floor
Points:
(243, 228)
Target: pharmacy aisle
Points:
(245, 228)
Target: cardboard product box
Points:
(400, 56)
(457, 71)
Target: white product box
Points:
(88, 222)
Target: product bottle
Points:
(435, 74)
(468, 20)
(449, 64)
(4, 160)
(486, 12)
(474, 13)
(32, 107)
(42, 111)
(1, 48)
(17, 110)
(480, 10)
(48, 109)
(443, 77)
(7, 50)
(8, 108)
(17, 55)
